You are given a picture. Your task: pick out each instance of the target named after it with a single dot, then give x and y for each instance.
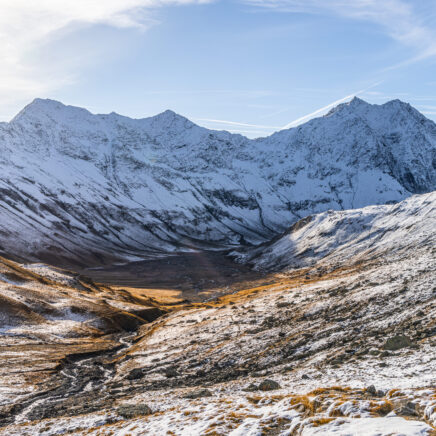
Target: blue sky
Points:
(248, 66)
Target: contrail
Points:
(319, 111)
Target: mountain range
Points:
(97, 189)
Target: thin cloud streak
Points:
(325, 108)
(234, 123)
(317, 112)
(250, 133)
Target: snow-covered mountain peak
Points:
(353, 106)
(73, 120)
(396, 103)
(43, 105)
(169, 114)
(357, 103)
(372, 112)
(169, 120)
(47, 109)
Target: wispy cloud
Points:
(250, 130)
(405, 21)
(234, 123)
(27, 26)
(250, 133)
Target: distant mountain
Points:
(104, 188)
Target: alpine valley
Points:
(157, 277)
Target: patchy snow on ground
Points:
(346, 345)
(322, 412)
(390, 425)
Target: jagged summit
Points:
(359, 107)
(88, 185)
(43, 108)
(44, 104)
(170, 119)
(168, 114)
(357, 102)
(40, 108)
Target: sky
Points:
(248, 66)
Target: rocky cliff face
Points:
(101, 188)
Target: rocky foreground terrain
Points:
(335, 333)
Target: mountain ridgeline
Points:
(94, 189)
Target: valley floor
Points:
(351, 347)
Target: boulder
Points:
(397, 343)
(129, 411)
(268, 385)
(135, 374)
(199, 393)
(251, 388)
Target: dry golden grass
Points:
(254, 399)
(320, 391)
(303, 400)
(161, 296)
(280, 282)
(336, 411)
(381, 409)
(318, 422)
(394, 393)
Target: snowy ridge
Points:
(352, 235)
(97, 188)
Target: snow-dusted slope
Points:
(336, 237)
(345, 345)
(98, 188)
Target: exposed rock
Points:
(397, 343)
(129, 411)
(135, 374)
(251, 388)
(171, 372)
(371, 390)
(268, 385)
(407, 409)
(199, 393)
